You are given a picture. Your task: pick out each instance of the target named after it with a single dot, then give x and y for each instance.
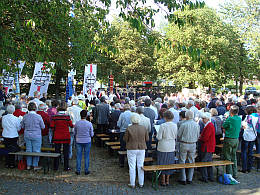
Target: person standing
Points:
(123, 122)
(188, 135)
(83, 132)
(166, 145)
(46, 119)
(11, 126)
(208, 143)
(135, 138)
(102, 115)
(33, 126)
(60, 124)
(232, 126)
(74, 113)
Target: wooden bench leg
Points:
(155, 179)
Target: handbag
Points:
(22, 164)
(249, 133)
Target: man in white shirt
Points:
(190, 106)
(36, 99)
(174, 111)
(74, 112)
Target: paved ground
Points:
(107, 178)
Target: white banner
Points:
(41, 78)
(89, 78)
(8, 77)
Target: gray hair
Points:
(140, 110)
(42, 107)
(135, 118)
(243, 103)
(133, 109)
(191, 102)
(219, 103)
(48, 103)
(189, 114)
(206, 115)
(117, 105)
(10, 109)
(171, 103)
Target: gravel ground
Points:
(107, 178)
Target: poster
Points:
(9, 77)
(41, 78)
(89, 78)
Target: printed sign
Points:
(89, 78)
(41, 78)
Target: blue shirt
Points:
(124, 120)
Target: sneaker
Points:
(182, 182)
(37, 168)
(131, 186)
(28, 167)
(189, 182)
(141, 186)
(77, 173)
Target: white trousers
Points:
(136, 157)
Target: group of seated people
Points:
(183, 130)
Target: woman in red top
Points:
(61, 136)
(208, 143)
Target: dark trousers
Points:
(257, 143)
(122, 148)
(102, 128)
(218, 150)
(66, 148)
(9, 144)
(206, 172)
(246, 154)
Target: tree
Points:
(244, 15)
(217, 46)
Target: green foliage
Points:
(215, 57)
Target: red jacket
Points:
(46, 120)
(207, 138)
(60, 125)
(18, 113)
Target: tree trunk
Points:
(57, 82)
(241, 81)
(236, 86)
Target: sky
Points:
(159, 17)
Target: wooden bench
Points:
(219, 146)
(98, 138)
(39, 154)
(43, 149)
(157, 169)
(112, 143)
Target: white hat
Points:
(135, 118)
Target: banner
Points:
(41, 78)
(9, 77)
(69, 86)
(89, 78)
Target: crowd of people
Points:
(186, 129)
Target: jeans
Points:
(71, 145)
(230, 153)
(136, 158)
(246, 154)
(33, 145)
(83, 147)
(65, 155)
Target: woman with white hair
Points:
(208, 143)
(136, 137)
(166, 136)
(11, 126)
